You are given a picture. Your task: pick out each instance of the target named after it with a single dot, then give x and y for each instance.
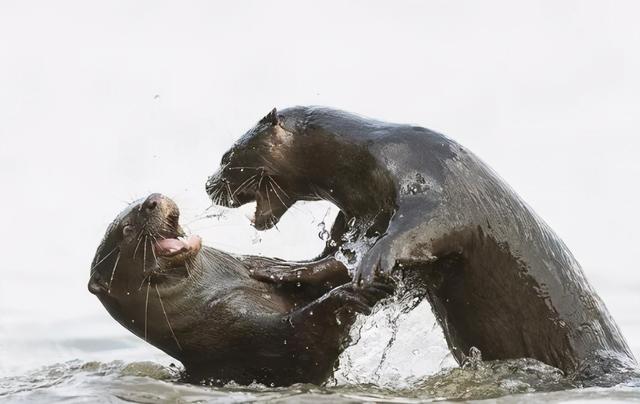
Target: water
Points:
(149, 382)
(398, 355)
(107, 102)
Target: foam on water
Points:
(148, 382)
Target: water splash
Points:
(397, 345)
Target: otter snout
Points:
(152, 202)
(220, 192)
(158, 204)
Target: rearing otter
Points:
(497, 277)
(201, 306)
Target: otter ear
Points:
(271, 118)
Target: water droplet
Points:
(298, 284)
(256, 238)
(133, 321)
(285, 342)
(311, 313)
(128, 293)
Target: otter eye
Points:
(127, 230)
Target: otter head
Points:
(295, 156)
(143, 250)
(259, 168)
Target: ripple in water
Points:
(147, 382)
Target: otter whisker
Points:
(261, 177)
(252, 183)
(215, 196)
(93, 268)
(229, 194)
(217, 199)
(219, 192)
(225, 197)
(269, 200)
(327, 196)
(271, 181)
(146, 307)
(113, 272)
(220, 198)
(138, 244)
(144, 254)
(274, 182)
(139, 238)
(272, 219)
(245, 182)
(144, 279)
(203, 217)
(167, 318)
(153, 250)
(278, 196)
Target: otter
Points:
(496, 275)
(201, 306)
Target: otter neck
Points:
(374, 199)
(182, 297)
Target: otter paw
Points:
(362, 298)
(280, 275)
(376, 261)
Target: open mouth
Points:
(170, 240)
(271, 200)
(173, 247)
(269, 209)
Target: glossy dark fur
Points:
(205, 309)
(497, 276)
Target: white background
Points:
(104, 102)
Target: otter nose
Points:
(152, 202)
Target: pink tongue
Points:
(169, 246)
(172, 246)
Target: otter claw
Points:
(362, 298)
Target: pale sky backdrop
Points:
(105, 102)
